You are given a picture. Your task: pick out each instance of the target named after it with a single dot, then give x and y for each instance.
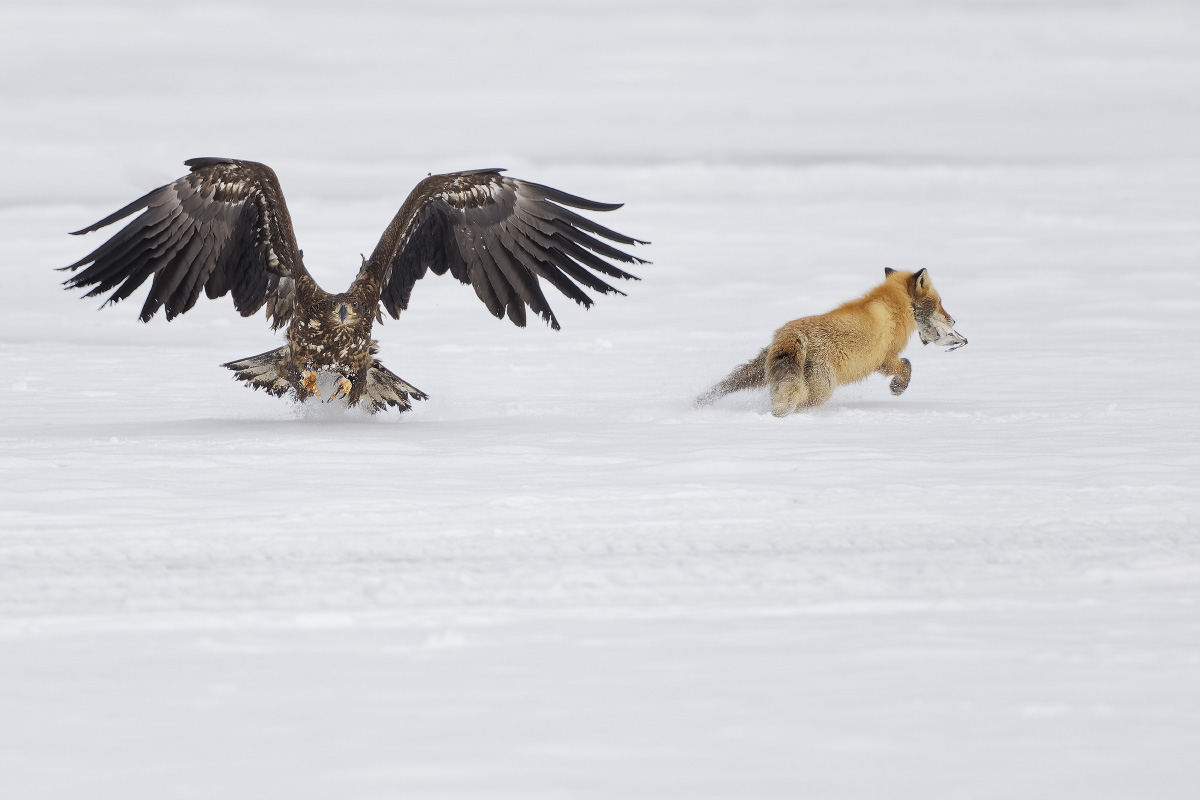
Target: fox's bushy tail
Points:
(751, 375)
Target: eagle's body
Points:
(225, 228)
(329, 333)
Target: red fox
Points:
(812, 356)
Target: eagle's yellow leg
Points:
(341, 388)
(308, 379)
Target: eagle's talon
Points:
(308, 379)
(341, 388)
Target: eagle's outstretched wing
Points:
(500, 235)
(223, 228)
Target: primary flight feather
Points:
(224, 228)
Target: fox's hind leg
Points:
(901, 368)
(821, 383)
(785, 373)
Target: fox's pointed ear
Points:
(887, 271)
(920, 281)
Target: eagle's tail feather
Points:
(264, 371)
(380, 389)
(385, 388)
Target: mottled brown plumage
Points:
(224, 228)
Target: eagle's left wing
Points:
(224, 227)
(500, 235)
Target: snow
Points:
(555, 577)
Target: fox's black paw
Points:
(900, 382)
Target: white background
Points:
(555, 578)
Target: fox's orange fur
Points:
(811, 356)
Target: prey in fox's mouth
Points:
(934, 323)
(939, 329)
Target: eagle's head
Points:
(345, 310)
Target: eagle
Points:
(224, 228)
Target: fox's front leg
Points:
(901, 368)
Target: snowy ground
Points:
(556, 578)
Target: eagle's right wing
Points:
(501, 235)
(223, 227)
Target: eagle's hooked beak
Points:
(342, 312)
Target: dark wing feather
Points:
(500, 235)
(223, 227)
